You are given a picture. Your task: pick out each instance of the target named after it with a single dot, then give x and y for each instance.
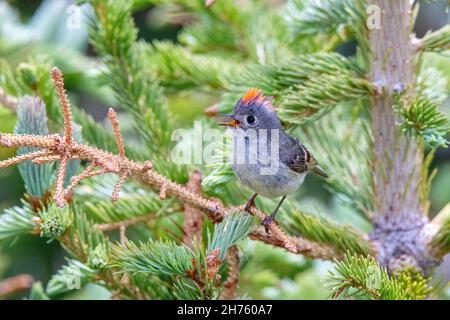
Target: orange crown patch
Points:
(251, 94)
(256, 94)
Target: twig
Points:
(231, 284)
(68, 149)
(15, 284)
(59, 84)
(59, 188)
(116, 225)
(123, 234)
(8, 101)
(119, 184)
(112, 115)
(301, 245)
(18, 159)
(193, 217)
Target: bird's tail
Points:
(314, 167)
(317, 170)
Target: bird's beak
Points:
(228, 120)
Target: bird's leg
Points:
(250, 203)
(269, 219)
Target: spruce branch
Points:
(304, 87)
(437, 41)
(307, 18)
(37, 292)
(18, 221)
(179, 69)
(117, 164)
(91, 250)
(125, 223)
(74, 275)
(113, 35)
(323, 230)
(32, 119)
(321, 94)
(421, 116)
(155, 257)
(235, 227)
(134, 202)
(358, 275)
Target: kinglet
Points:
(268, 161)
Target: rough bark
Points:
(401, 229)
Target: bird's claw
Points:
(266, 222)
(250, 203)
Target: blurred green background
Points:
(29, 29)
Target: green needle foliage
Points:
(363, 277)
(129, 74)
(311, 17)
(32, 119)
(72, 276)
(155, 257)
(179, 69)
(422, 117)
(437, 41)
(113, 35)
(321, 229)
(284, 78)
(37, 292)
(140, 246)
(320, 95)
(235, 227)
(17, 221)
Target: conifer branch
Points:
(65, 105)
(120, 165)
(369, 280)
(128, 222)
(438, 40)
(323, 230)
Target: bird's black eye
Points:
(251, 119)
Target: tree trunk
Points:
(401, 226)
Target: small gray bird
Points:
(266, 146)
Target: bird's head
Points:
(253, 111)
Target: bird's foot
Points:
(250, 203)
(266, 222)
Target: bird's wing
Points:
(297, 158)
(294, 155)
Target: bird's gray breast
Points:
(263, 172)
